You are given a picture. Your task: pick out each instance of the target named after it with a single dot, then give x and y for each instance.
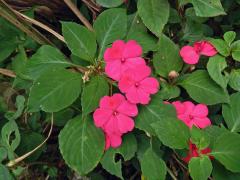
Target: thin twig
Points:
(7, 72)
(75, 10)
(8, 13)
(41, 25)
(21, 158)
(171, 174)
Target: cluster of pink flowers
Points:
(191, 54)
(115, 113)
(193, 115)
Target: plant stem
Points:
(75, 10)
(8, 13)
(171, 174)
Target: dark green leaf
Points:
(4, 173)
(200, 168)
(110, 26)
(152, 166)
(81, 144)
(46, 58)
(231, 113)
(215, 67)
(80, 40)
(234, 80)
(54, 91)
(236, 50)
(229, 37)
(154, 14)
(208, 8)
(226, 150)
(93, 91)
(167, 58)
(153, 112)
(166, 131)
(20, 100)
(204, 90)
(109, 4)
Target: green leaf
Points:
(234, 81)
(4, 173)
(222, 47)
(214, 132)
(81, 144)
(80, 40)
(93, 91)
(138, 32)
(168, 91)
(46, 58)
(7, 47)
(167, 58)
(109, 4)
(215, 67)
(199, 138)
(153, 112)
(20, 100)
(10, 137)
(154, 14)
(208, 8)
(200, 168)
(110, 26)
(166, 131)
(226, 150)
(54, 91)
(203, 89)
(3, 153)
(127, 149)
(29, 141)
(236, 50)
(231, 113)
(229, 37)
(152, 166)
(220, 173)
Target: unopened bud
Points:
(173, 74)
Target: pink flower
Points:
(114, 115)
(194, 152)
(122, 56)
(137, 84)
(112, 140)
(192, 114)
(191, 54)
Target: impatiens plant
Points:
(135, 89)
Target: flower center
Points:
(123, 60)
(191, 117)
(115, 113)
(136, 84)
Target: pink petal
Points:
(114, 69)
(200, 110)
(141, 72)
(185, 119)
(128, 109)
(150, 85)
(101, 116)
(132, 63)
(111, 126)
(189, 55)
(107, 142)
(126, 82)
(125, 123)
(202, 122)
(112, 102)
(144, 96)
(208, 49)
(115, 140)
(132, 95)
(115, 52)
(189, 106)
(180, 108)
(132, 49)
